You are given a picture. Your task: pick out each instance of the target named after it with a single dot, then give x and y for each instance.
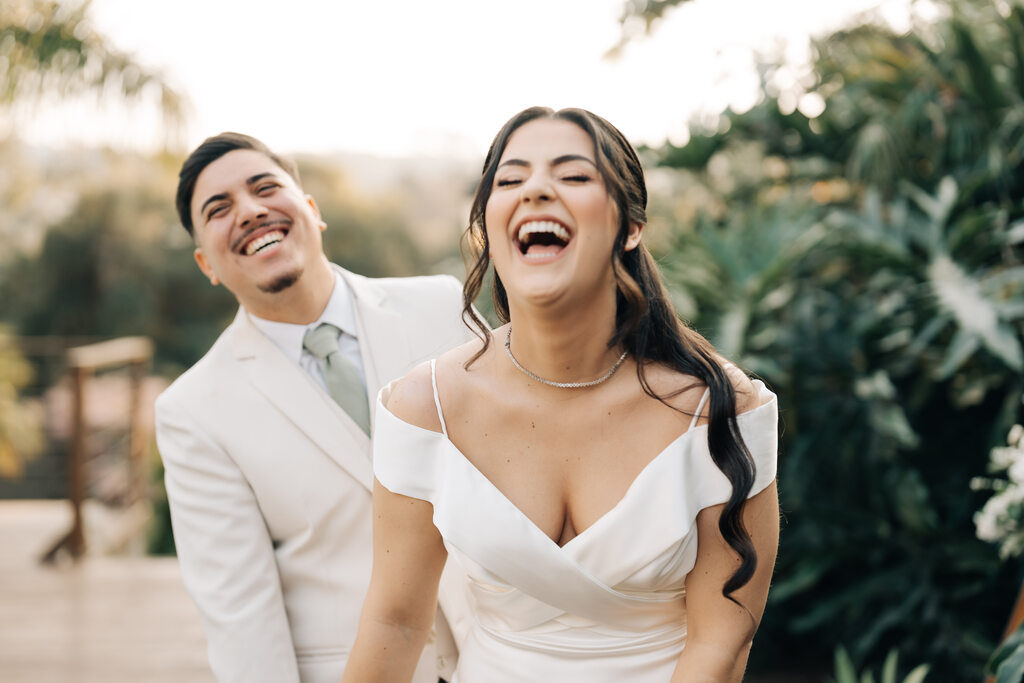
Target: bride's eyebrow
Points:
(565, 158)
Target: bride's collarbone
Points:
(563, 470)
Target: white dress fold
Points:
(610, 604)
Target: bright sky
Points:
(401, 77)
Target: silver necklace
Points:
(560, 385)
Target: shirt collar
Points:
(338, 312)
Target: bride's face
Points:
(550, 221)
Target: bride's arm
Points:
(408, 556)
(718, 632)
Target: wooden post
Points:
(82, 362)
(136, 441)
(76, 462)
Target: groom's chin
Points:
(281, 283)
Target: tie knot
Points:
(322, 340)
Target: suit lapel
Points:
(296, 395)
(382, 336)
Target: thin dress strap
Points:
(696, 413)
(437, 401)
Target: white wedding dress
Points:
(609, 605)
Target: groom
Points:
(266, 440)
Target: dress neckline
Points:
(608, 514)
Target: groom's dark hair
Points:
(214, 148)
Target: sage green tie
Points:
(343, 383)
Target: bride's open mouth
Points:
(542, 239)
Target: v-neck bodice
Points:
(613, 594)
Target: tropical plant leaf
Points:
(807, 575)
(982, 81)
(962, 347)
(1012, 644)
(1004, 279)
(1014, 233)
(962, 295)
(918, 674)
(1012, 668)
(938, 207)
(845, 673)
(889, 668)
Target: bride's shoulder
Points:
(411, 399)
(746, 394)
(685, 392)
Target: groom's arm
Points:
(225, 553)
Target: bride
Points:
(604, 478)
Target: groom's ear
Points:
(205, 266)
(316, 212)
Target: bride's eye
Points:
(505, 182)
(577, 178)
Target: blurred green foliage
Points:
(1007, 663)
(846, 673)
(116, 265)
(866, 261)
(20, 429)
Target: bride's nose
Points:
(537, 188)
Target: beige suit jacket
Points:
(269, 484)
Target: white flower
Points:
(987, 524)
(1016, 432)
(1001, 519)
(1002, 458)
(1016, 472)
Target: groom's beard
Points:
(282, 283)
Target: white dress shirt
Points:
(338, 312)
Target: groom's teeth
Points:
(262, 241)
(533, 227)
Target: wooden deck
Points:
(100, 620)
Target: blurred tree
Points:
(50, 56)
(365, 232)
(49, 48)
(858, 241)
(118, 264)
(639, 17)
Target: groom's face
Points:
(256, 231)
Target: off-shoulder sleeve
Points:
(760, 431)
(406, 459)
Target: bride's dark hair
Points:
(645, 322)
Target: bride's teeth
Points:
(534, 227)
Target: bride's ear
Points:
(633, 237)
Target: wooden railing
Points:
(82, 363)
